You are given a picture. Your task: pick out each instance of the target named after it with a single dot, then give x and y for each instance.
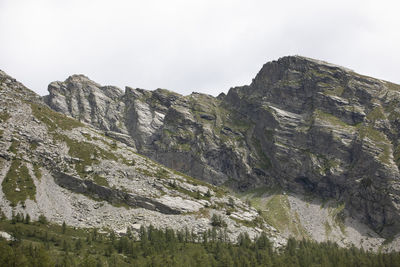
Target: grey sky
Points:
(182, 45)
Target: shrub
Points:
(217, 221)
(42, 219)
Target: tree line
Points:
(43, 244)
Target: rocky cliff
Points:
(67, 171)
(313, 146)
(305, 125)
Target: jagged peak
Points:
(81, 81)
(81, 78)
(275, 70)
(318, 62)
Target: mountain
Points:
(311, 145)
(67, 171)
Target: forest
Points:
(41, 243)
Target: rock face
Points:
(330, 131)
(66, 170)
(305, 125)
(86, 100)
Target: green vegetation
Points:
(197, 195)
(376, 114)
(393, 86)
(14, 146)
(274, 207)
(33, 146)
(392, 110)
(18, 184)
(38, 244)
(219, 191)
(4, 116)
(87, 136)
(88, 153)
(396, 155)
(182, 147)
(36, 171)
(145, 172)
(289, 83)
(330, 119)
(326, 164)
(379, 139)
(1, 133)
(328, 228)
(334, 91)
(53, 119)
(318, 74)
(100, 180)
(337, 213)
(217, 221)
(277, 212)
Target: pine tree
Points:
(27, 219)
(64, 227)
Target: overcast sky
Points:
(204, 46)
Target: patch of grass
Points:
(240, 124)
(182, 147)
(276, 211)
(218, 190)
(87, 136)
(4, 116)
(255, 192)
(376, 114)
(396, 155)
(379, 139)
(145, 172)
(257, 222)
(53, 119)
(337, 213)
(334, 91)
(392, 86)
(289, 83)
(18, 184)
(202, 213)
(327, 163)
(14, 146)
(162, 173)
(330, 119)
(371, 133)
(87, 153)
(196, 195)
(33, 145)
(328, 229)
(100, 180)
(37, 172)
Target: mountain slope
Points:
(307, 126)
(312, 146)
(55, 166)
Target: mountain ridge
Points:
(294, 89)
(306, 127)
